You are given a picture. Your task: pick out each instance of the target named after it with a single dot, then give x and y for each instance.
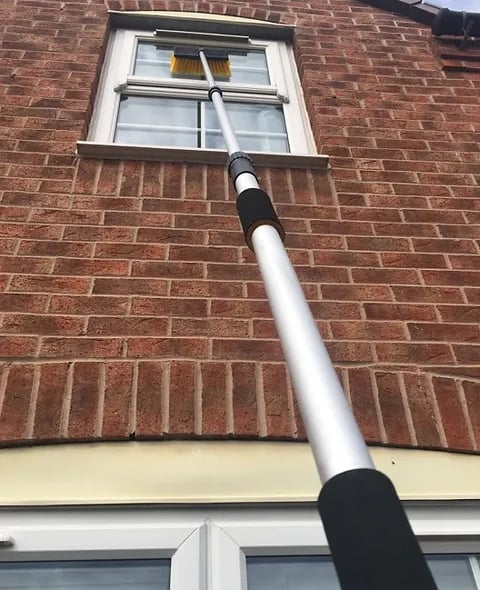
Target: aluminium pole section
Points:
(372, 543)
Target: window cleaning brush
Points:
(185, 61)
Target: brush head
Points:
(185, 61)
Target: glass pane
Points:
(153, 61)
(291, 573)
(451, 572)
(86, 575)
(467, 5)
(145, 120)
(259, 127)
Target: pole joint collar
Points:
(239, 163)
(212, 90)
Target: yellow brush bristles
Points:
(187, 66)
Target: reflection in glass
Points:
(152, 574)
(153, 61)
(145, 120)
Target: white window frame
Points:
(209, 545)
(50, 535)
(117, 77)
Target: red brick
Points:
(392, 408)
(49, 248)
(191, 270)
(85, 400)
(460, 313)
(81, 266)
(412, 353)
(131, 251)
(17, 346)
(451, 277)
(427, 294)
(467, 353)
(384, 275)
(127, 218)
(420, 402)
(376, 243)
(73, 348)
(182, 386)
(403, 260)
(215, 289)
(47, 284)
(279, 416)
(88, 305)
(16, 403)
(99, 234)
(244, 399)
(365, 330)
(214, 392)
(196, 348)
(50, 400)
(444, 332)
(247, 350)
(42, 324)
(125, 286)
(452, 414)
(117, 402)
(12, 302)
(138, 326)
(351, 259)
(362, 399)
(163, 306)
(172, 236)
(356, 292)
(150, 403)
(213, 327)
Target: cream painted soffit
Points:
(210, 472)
(201, 22)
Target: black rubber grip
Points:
(373, 546)
(238, 163)
(255, 208)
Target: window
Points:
(269, 548)
(141, 103)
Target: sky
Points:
(468, 5)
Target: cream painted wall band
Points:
(186, 472)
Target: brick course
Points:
(130, 306)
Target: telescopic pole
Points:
(372, 544)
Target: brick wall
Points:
(130, 307)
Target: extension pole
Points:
(372, 544)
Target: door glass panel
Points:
(152, 574)
(144, 120)
(258, 127)
(153, 61)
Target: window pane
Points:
(86, 575)
(153, 61)
(258, 127)
(291, 573)
(145, 120)
(467, 5)
(452, 572)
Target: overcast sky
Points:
(469, 5)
